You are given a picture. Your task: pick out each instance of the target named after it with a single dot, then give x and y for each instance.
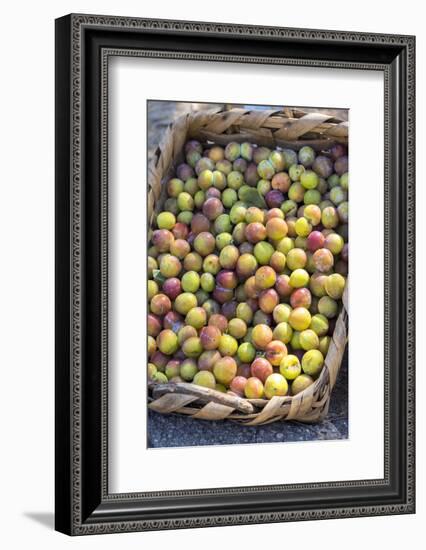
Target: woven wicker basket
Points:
(286, 128)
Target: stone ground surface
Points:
(180, 431)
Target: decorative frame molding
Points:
(83, 504)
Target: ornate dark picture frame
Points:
(84, 44)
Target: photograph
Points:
(247, 267)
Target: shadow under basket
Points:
(271, 128)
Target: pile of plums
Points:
(247, 265)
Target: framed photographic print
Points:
(221, 357)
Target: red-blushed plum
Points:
(160, 304)
(261, 336)
(255, 232)
(212, 192)
(213, 208)
(200, 224)
(219, 321)
(240, 165)
(223, 295)
(180, 231)
(265, 277)
(274, 213)
(210, 337)
(254, 388)
(226, 279)
(275, 351)
(301, 297)
(162, 239)
(276, 229)
(268, 299)
(278, 261)
(261, 368)
(283, 287)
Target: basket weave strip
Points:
(287, 128)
